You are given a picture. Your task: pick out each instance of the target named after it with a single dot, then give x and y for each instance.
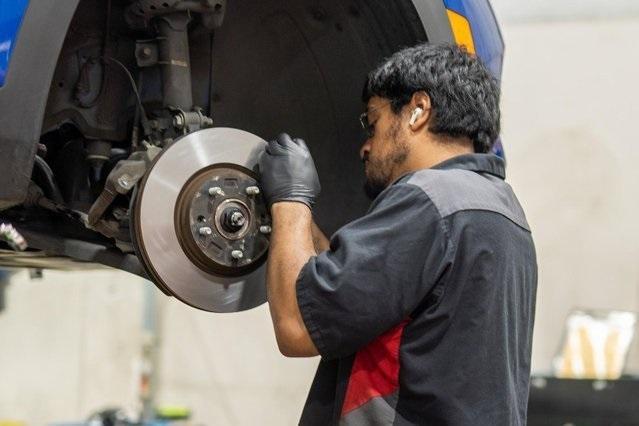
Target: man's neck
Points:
(435, 152)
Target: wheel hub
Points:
(218, 217)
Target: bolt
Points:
(216, 191)
(265, 229)
(178, 121)
(125, 181)
(120, 213)
(252, 190)
(146, 52)
(237, 254)
(238, 219)
(205, 230)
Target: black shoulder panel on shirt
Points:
(456, 190)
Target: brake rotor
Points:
(200, 225)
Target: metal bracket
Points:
(121, 180)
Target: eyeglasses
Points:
(369, 128)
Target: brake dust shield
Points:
(200, 225)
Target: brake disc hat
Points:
(200, 226)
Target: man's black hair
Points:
(464, 95)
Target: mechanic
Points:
(422, 310)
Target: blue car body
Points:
(11, 14)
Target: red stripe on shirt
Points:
(375, 370)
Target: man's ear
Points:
(419, 111)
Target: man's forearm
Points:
(290, 249)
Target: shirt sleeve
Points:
(376, 272)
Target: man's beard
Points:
(380, 170)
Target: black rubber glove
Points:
(288, 172)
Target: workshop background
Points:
(74, 343)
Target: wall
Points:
(72, 344)
(69, 344)
(227, 368)
(569, 119)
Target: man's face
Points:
(386, 148)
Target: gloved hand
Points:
(288, 172)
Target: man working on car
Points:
(422, 310)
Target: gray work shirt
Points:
(423, 309)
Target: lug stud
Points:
(237, 254)
(252, 190)
(216, 191)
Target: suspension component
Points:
(173, 43)
(169, 50)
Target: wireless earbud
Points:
(417, 112)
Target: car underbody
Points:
(136, 81)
